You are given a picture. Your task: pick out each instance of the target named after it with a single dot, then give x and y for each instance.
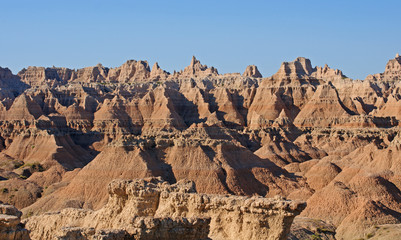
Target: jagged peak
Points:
(156, 66)
(392, 71)
(157, 72)
(5, 73)
(252, 71)
(301, 68)
(194, 61)
(298, 68)
(196, 69)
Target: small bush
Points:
(325, 230)
(4, 190)
(34, 166)
(316, 237)
(29, 214)
(18, 164)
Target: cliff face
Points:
(196, 69)
(10, 226)
(252, 71)
(302, 68)
(304, 133)
(135, 206)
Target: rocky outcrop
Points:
(301, 68)
(35, 76)
(196, 69)
(327, 73)
(10, 226)
(144, 228)
(157, 73)
(97, 73)
(5, 73)
(252, 71)
(391, 73)
(324, 109)
(307, 228)
(130, 71)
(153, 209)
(10, 84)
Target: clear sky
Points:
(356, 36)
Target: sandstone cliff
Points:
(252, 71)
(10, 226)
(135, 206)
(302, 68)
(196, 69)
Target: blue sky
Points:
(358, 37)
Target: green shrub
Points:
(316, 237)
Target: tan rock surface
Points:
(231, 217)
(307, 133)
(252, 71)
(10, 226)
(196, 69)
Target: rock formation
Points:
(157, 73)
(10, 226)
(306, 133)
(302, 68)
(153, 209)
(130, 71)
(252, 71)
(196, 69)
(391, 73)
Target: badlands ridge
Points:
(135, 152)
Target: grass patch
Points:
(316, 237)
(29, 214)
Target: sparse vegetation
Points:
(370, 235)
(18, 164)
(316, 236)
(325, 230)
(29, 214)
(34, 166)
(4, 190)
